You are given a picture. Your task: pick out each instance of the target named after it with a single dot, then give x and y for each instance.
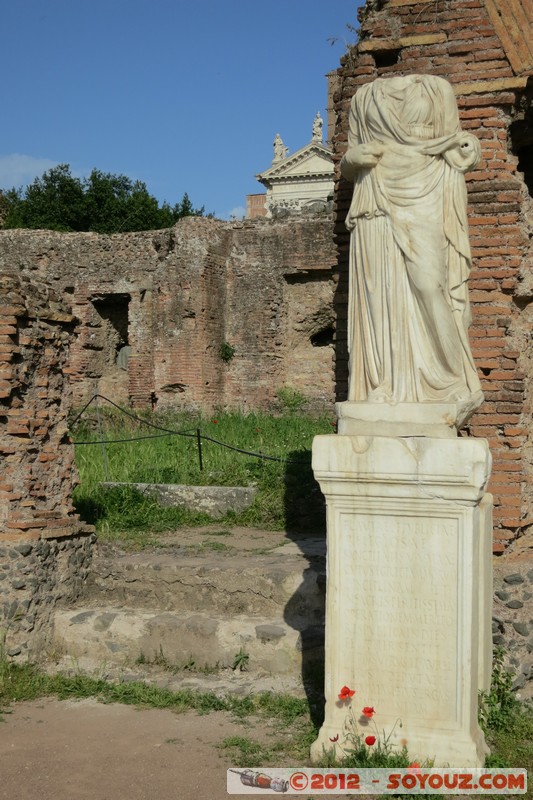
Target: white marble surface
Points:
(436, 420)
(408, 313)
(407, 603)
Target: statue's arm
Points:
(465, 152)
(358, 155)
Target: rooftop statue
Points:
(280, 151)
(409, 253)
(317, 128)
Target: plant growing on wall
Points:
(226, 352)
(291, 399)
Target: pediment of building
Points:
(314, 159)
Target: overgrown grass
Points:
(27, 682)
(287, 497)
(507, 723)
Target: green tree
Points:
(54, 201)
(103, 202)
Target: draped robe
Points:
(408, 313)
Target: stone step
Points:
(126, 637)
(284, 583)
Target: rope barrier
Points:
(193, 434)
(130, 415)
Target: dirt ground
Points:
(83, 749)
(78, 749)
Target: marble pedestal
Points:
(408, 599)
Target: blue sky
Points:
(186, 96)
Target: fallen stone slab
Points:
(216, 501)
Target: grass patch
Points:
(160, 660)
(27, 682)
(246, 752)
(513, 745)
(287, 494)
(209, 545)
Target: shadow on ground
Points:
(305, 511)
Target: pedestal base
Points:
(408, 601)
(436, 420)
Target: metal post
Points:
(199, 440)
(102, 445)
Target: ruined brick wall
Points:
(154, 309)
(44, 549)
(488, 64)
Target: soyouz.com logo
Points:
(416, 781)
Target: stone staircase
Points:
(198, 617)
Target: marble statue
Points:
(409, 253)
(317, 128)
(280, 151)
(409, 522)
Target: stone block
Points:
(213, 500)
(409, 585)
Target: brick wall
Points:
(457, 40)
(44, 549)
(263, 287)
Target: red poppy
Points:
(334, 738)
(215, 422)
(334, 424)
(345, 693)
(414, 767)
(368, 711)
(370, 740)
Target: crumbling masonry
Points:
(156, 308)
(44, 548)
(485, 49)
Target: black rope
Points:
(168, 432)
(136, 438)
(132, 416)
(248, 452)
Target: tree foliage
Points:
(103, 202)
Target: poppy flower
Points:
(370, 740)
(334, 738)
(215, 422)
(345, 693)
(368, 711)
(414, 767)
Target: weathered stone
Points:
(79, 619)
(522, 628)
(269, 633)
(103, 621)
(514, 579)
(502, 595)
(216, 501)
(24, 549)
(519, 682)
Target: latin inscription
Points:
(399, 608)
